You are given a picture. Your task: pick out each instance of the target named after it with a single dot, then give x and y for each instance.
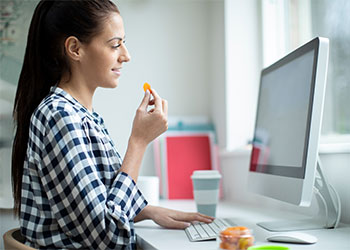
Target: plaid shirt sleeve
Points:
(96, 215)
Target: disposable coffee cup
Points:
(206, 190)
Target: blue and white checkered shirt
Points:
(73, 194)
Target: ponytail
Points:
(33, 86)
(45, 63)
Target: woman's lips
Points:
(116, 71)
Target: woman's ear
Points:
(72, 47)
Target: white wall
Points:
(218, 69)
(243, 45)
(337, 168)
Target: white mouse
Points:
(292, 237)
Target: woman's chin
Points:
(111, 85)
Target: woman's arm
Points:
(169, 218)
(147, 126)
(133, 158)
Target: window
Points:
(287, 24)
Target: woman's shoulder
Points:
(55, 106)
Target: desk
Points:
(152, 236)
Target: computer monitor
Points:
(288, 122)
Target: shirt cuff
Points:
(126, 196)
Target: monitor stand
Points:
(328, 215)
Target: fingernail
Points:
(188, 224)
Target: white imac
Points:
(284, 159)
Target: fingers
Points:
(145, 101)
(157, 101)
(206, 216)
(201, 217)
(184, 220)
(174, 224)
(174, 219)
(165, 107)
(191, 217)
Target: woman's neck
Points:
(79, 90)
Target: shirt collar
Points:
(60, 92)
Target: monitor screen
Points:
(281, 133)
(288, 124)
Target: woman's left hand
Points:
(170, 218)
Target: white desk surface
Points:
(152, 236)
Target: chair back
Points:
(13, 240)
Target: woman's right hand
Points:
(148, 125)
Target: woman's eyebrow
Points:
(116, 38)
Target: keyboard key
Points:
(215, 228)
(208, 230)
(220, 224)
(193, 232)
(200, 230)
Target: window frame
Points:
(278, 42)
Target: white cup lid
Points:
(206, 174)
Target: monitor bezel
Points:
(290, 171)
(297, 188)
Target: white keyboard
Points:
(207, 231)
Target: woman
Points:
(71, 188)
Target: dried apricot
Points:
(146, 86)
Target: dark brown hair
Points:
(45, 63)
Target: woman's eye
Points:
(115, 47)
(118, 45)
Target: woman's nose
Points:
(125, 56)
